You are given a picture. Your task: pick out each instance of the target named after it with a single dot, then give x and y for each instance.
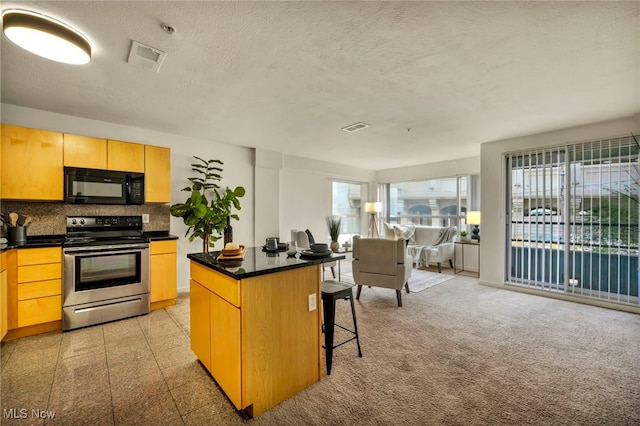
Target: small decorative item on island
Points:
(292, 248)
(334, 232)
(228, 232)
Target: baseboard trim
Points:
(32, 330)
(162, 304)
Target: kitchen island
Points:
(256, 325)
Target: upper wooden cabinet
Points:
(32, 164)
(125, 156)
(157, 174)
(85, 152)
(33, 160)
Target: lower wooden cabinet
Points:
(163, 273)
(257, 336)
(225, 347)
(4, 287)
(216, 334)
(200, 323)
(38, 287)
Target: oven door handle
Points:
(105, 249)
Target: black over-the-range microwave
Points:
(92, 186)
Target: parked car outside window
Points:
(541, 212)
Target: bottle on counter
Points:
(228, 231)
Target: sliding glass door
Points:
(573, 219)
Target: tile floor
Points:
(130, 372)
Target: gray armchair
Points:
(380, 262)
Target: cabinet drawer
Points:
(223, 286)
(160, 247)
(37, 256)
(39, 289)
(49, 271)
(38, 311)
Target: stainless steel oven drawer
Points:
(104, 311)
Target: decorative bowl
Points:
(319, 247)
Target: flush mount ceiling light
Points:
(46, 37)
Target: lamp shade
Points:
(473, 218)
(46, 37)
(373, 207)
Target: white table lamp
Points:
(473, 218)
(373, 209)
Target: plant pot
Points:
(335, 246)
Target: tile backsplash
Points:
(49, 218)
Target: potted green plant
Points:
(206, 210)
(464, 236)
(334, 232)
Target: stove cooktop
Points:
(103, 230)
(88, 241)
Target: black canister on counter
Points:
(17, 235)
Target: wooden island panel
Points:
(258, 338)
(282, 339)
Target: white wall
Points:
(305, 194)
(492, 258)
(238, 166)
(267, 195)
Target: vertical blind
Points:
(573, 219)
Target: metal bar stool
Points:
(331, 291)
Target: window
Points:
(574, 219)
(442, 202)
(346, 205)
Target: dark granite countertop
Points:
(34, 241)
(257, 262)
(159, 235)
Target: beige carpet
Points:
(466, 354)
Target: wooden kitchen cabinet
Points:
(200, 324)
(125, 156)
(226, 347)
(163, 273)
(4, 294)
(32, 164)
(85, 152)
(258, 339)
(157, 174)
(39, 286)
(219, 338)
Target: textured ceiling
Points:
(287, 76)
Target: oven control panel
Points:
(103, 221)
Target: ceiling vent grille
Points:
(355, 127)
(145, 56)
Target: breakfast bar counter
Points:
(256, 325)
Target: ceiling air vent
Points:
(355, 127)
(146, 56)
